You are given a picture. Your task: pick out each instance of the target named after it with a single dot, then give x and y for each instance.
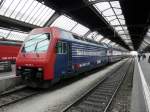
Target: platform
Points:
(12, 73)
(62, 94)
(141, 88)
(8, 80)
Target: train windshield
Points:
(37, 43)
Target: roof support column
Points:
(52, 19)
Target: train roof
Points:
(69, 36)
(76, 38)
(10, 42)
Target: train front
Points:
(33, 63)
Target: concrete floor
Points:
(55, 100)
(138, 101)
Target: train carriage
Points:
(9, 50)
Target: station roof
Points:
(116, 22)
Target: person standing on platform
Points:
(143, 56)
(139, 56)
(149, 59)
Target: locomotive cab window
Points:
(37, 43)
(61, 48)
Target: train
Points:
(9, 50)
(50, 54)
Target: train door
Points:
(63, 61)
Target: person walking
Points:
(143, 56)
(149, 59)
(139, 57)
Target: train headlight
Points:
(40, 69)
(19, 67)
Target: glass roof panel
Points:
(17, 36)
(27, 11)
(112, 43)
(112, 13)
(24, 10)
(126, 32)
(5, 6)
(92, 35)
(44, 11)
(115, 22)
(124, 27)
(106, 41)
(115, 4)
(145, 43)
(147, 40)
(38, 13)
(127, 40)
(122, 21)
(123, 36)
(103, 6)
(147, 37)
(12, 8)
(121, 32)
(120, 16)
(128, 37)
(80, 29)
(108, 12)
(33, 12)
(148, 34)
(12, 35)
(18, 8)
(46, 17)
(118, 11)
(64, 23)
(98, 37)
(111, 18)
(118, 28)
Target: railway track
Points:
(15, 95)
(24, 92)
(98, 98)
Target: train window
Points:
(64, 47)
(61, 48)
(42, 45)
